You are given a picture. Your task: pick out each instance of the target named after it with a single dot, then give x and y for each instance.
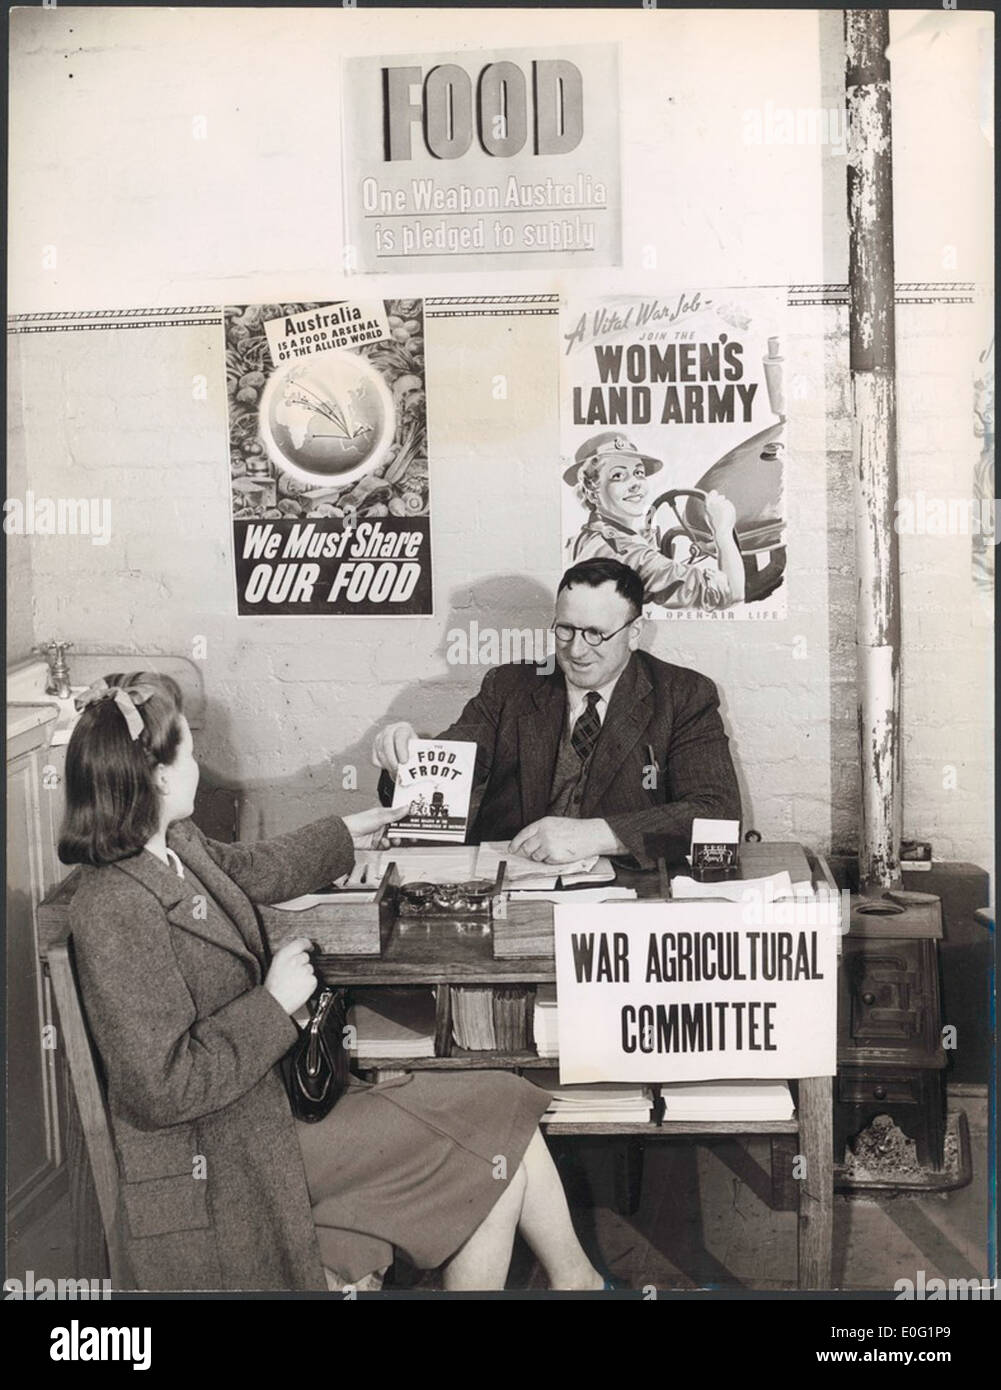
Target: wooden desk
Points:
(454, 951)
(449, 952)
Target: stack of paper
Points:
(393, 1022)
(728, 1101)
(601, 1103)
(511, 1014)
(473, 1017)
(488, 1018)
(544, 1024)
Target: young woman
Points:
(220, 1187)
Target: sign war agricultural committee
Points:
(696, 991)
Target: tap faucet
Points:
(58, 682)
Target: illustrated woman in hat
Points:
(611, 478)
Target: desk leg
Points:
(785, 1188)
(816, 1188)
(628, 1176)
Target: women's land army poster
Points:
(673, 447)
(328, 458)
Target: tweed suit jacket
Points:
(516, 720)
(213, 1190)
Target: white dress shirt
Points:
(577, 700)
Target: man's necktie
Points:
(587, 728)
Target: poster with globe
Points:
(328, 458)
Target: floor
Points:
(705, 1220)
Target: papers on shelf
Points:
(393, 1022)
(728, 1101)
(544, 1024)
(525, 873)
(598, 1103)
(488, 1017)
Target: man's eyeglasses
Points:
(566, 632)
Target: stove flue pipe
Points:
(874, 408)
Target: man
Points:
(611, 478)
(613, 753)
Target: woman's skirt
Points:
(416, 1162)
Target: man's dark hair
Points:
(603, 571)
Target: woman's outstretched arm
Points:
(269, 871)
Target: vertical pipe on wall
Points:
(874, 408)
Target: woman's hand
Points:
(366, 828)
(290, 978)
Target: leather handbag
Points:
(316, 1067)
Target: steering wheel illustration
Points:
(701, 547)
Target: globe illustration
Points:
(328, 419)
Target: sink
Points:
(67, 717)
(26, 686)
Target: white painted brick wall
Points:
(111, 413)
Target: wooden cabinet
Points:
(34, 810)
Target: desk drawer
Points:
(873, 1088)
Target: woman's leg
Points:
(484, 1260)
(546, 1225)
(534, 1203)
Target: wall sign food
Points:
(507, 158)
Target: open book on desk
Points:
(524, 873)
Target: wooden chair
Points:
(90, 1151)
(99, 1246)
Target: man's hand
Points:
(561, 840)
(392, 746)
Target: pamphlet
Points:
(435, 784)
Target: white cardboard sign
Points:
(696, 991)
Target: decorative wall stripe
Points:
(75, 320)
(449, 306)
(924, 292)
(490, 306)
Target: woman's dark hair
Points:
(111, 802)
(604, 571)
